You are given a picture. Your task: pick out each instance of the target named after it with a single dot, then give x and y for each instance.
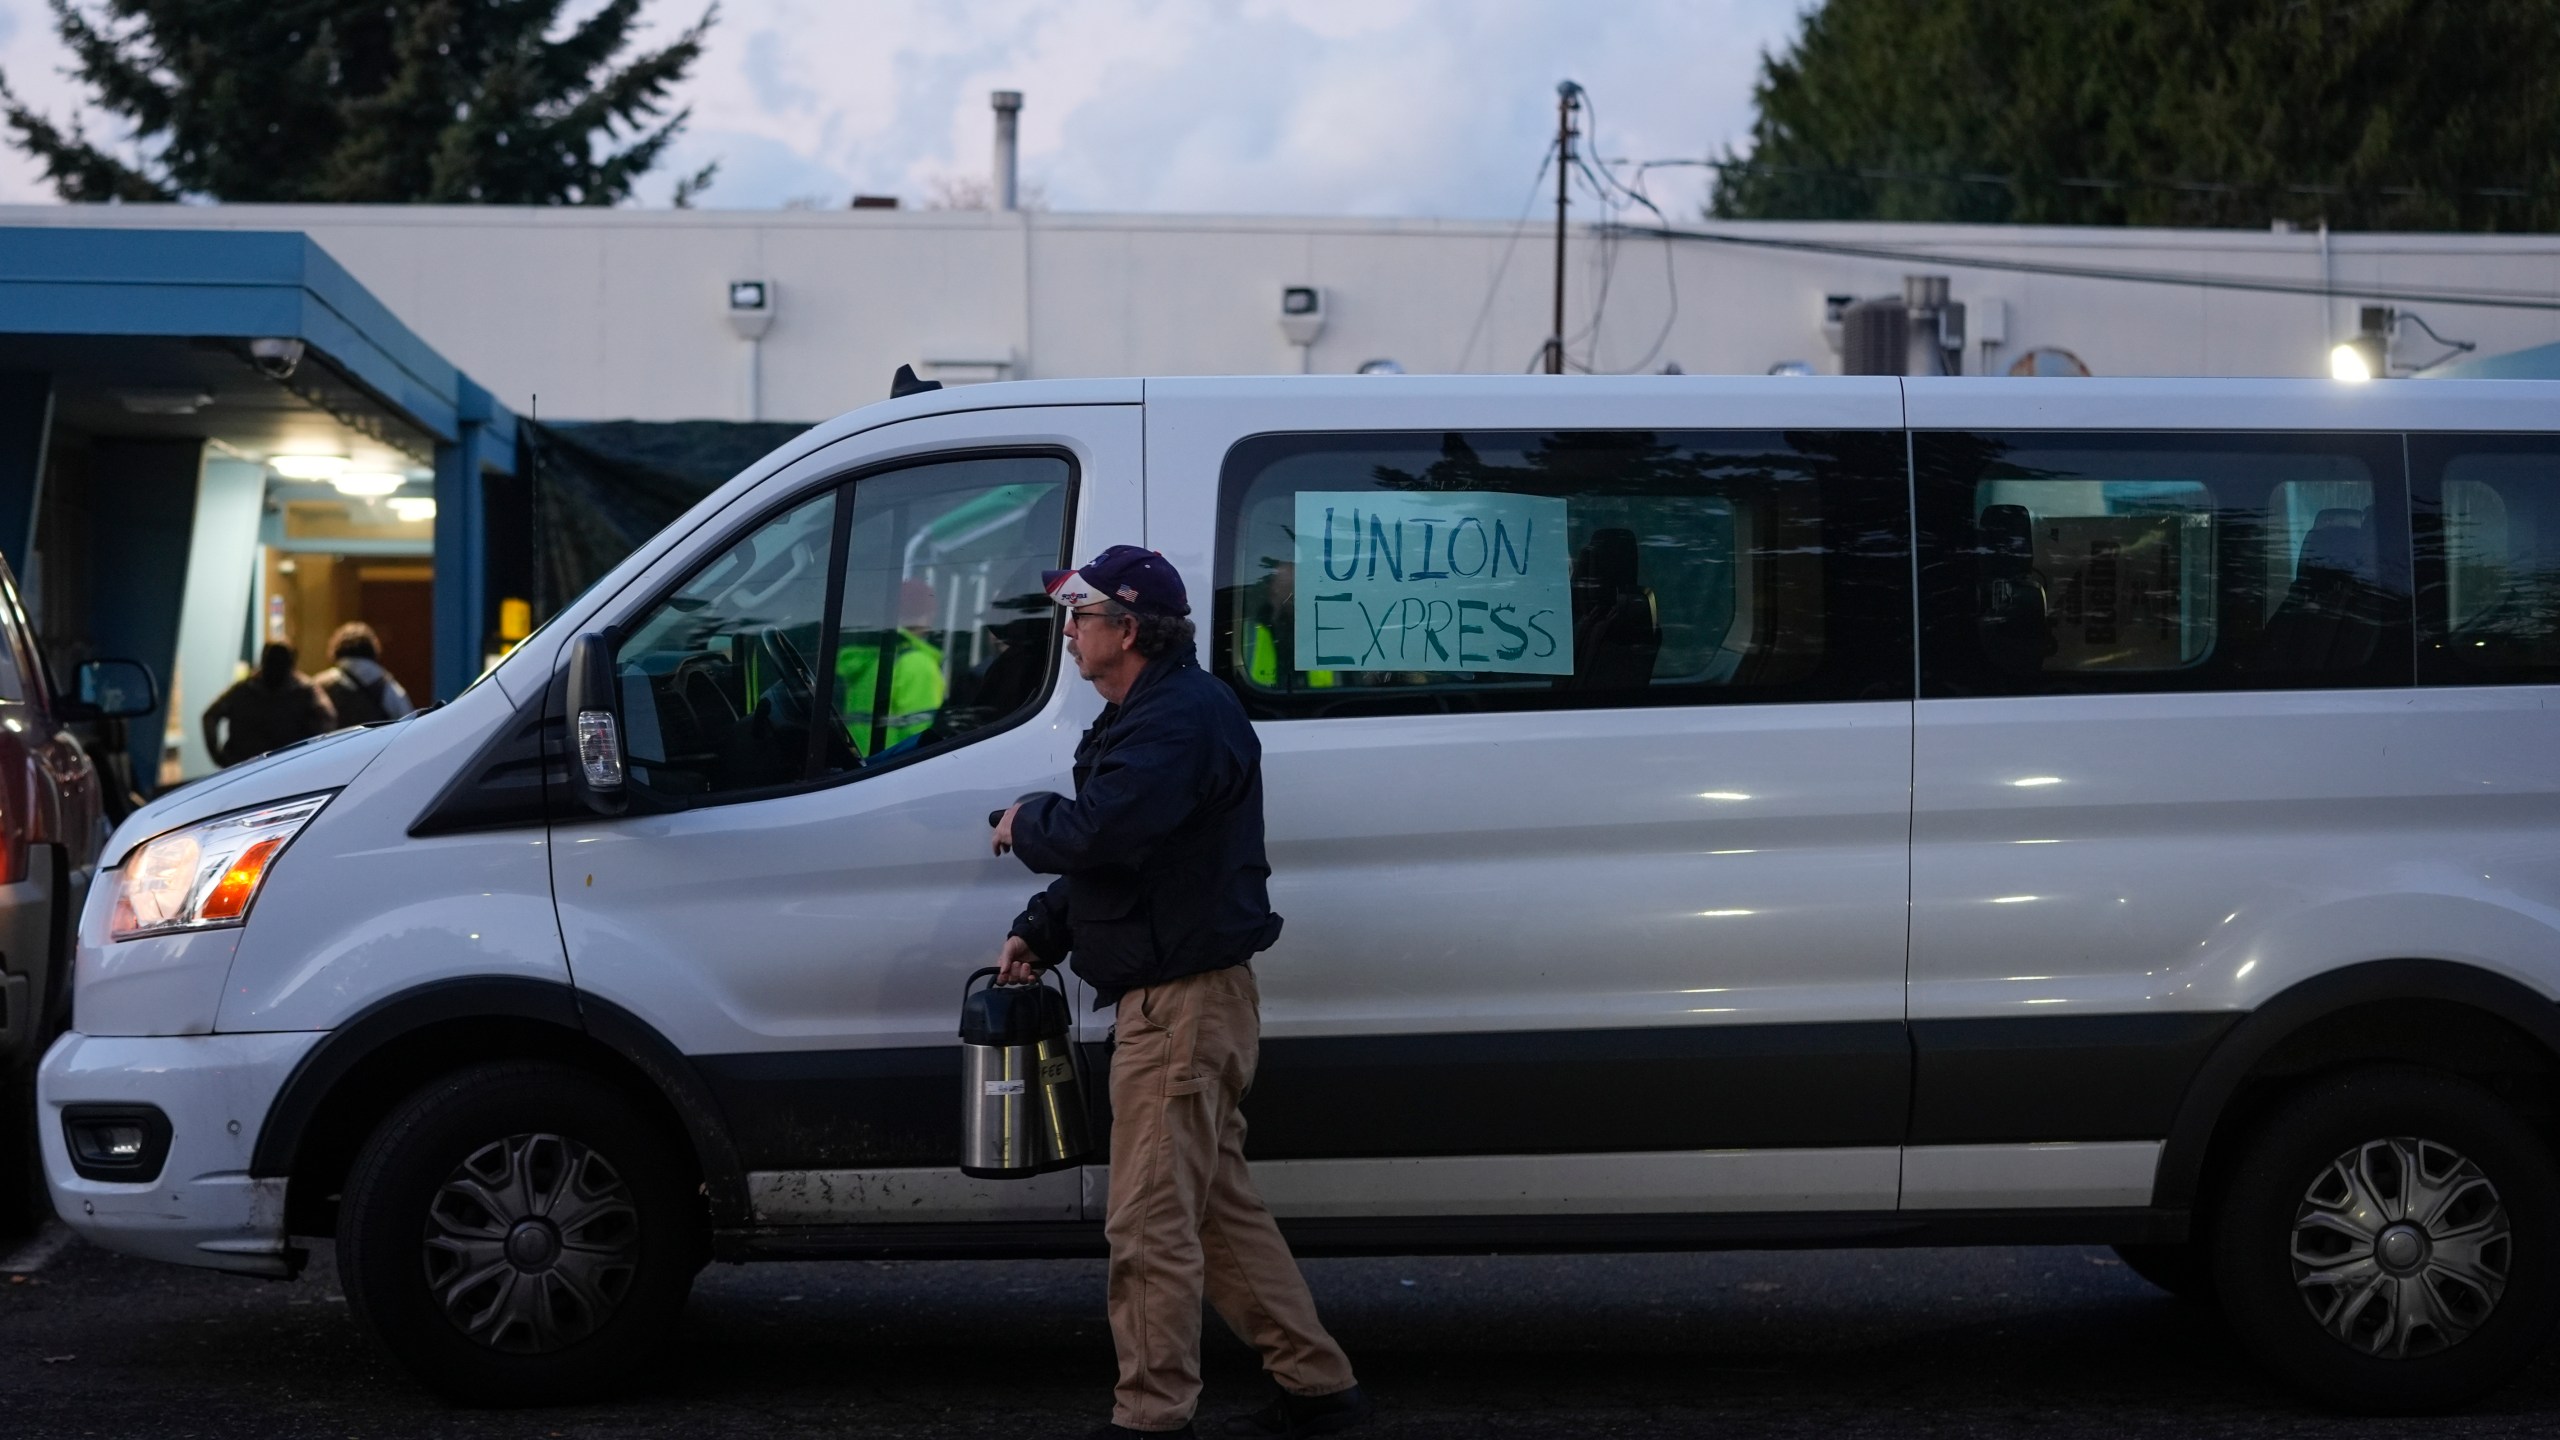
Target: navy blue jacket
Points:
(1159, 854)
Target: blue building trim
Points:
(231, 284)
(134, 605)
(246, 285)
(462, 556)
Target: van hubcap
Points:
(2401, 1248)
(531, 1243)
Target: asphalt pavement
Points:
(2050, 1341)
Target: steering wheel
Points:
(789, 668)
(792, 698)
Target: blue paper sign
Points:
(1439, 580)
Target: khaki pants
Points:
(1184, 1215)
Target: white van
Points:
(1707, 813)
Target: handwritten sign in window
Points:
(1446, 580)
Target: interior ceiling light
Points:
(368, 484)
(412, 508)
(308, 467)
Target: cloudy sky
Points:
(1322, 107)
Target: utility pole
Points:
(1568, 101)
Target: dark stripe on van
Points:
(1554, 1092)
(840, 1109)
(2027, 1078)
(1565, 1092)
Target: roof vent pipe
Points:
(1008, 104)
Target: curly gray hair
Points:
(1158, 635)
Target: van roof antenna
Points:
(905, 383)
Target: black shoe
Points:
(1295, 1415)
(1123, 1432)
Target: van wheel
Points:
(519, 1234)
(2389, 1241)
(2185, 1271)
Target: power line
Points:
(1606, 187)
(1980, 178)
(1494, 287)
(2427, 294)
(1670, 273)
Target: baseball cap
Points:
(1138, 578)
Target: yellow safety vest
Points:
(1264, 665)
(916, 689)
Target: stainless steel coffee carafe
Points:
(1021, 1084)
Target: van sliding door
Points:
(1587, 744)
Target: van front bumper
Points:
(203, 1207)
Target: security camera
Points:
(276, 356)
(1301, 313)
(751, 307)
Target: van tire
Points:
(2185, 1271)
(559, 1313)
(2425, 1339)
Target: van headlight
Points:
(205, 876)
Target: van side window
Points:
(2057, 563)
(2488, 543)
(1431, 572)
(876, 621)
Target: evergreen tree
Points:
(362, 101)
(2370, 114)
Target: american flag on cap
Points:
(1137, 577)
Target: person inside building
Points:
(362, 692)
(272, 707)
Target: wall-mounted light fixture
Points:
(751, 314)
(2368, 353)
(1302, 319)
(751, 308)
(2372, 353)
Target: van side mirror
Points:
(113, 690)
(595, 730)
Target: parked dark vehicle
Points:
(52, 824)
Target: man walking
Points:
(1162, 900)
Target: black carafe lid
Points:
(1013, 1015)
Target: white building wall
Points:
(620, 313)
